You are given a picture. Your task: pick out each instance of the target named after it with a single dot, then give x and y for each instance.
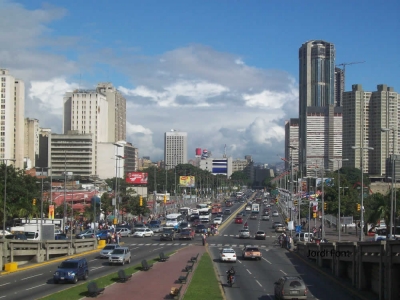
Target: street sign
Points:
(346, 220)
(298, 228)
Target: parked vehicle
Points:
(120, 255)
(71, 270)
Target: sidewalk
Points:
(332, 235)
(157, 282)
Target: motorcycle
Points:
(231, 280)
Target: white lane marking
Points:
(92, 260)
(36, 287)
(169, 244)
(147, 244)
(2, 297)
(176, 244)
(135, 248)
(248, 271)
(31, 276)
(5, 283)
(95, 268)
(258, 283)
(239, 261)
(283, 272)
(267, 261)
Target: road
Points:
(255, 279)
(38, 282)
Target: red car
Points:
(239, 221)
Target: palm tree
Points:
(377, 207)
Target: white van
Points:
(303, 237)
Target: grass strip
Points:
(204, 283)
(79, 291)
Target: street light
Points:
(339, 226)
(5, 160)
(117, 145)
(41, 200)
(362, 185)
(393, 174)
(291, 181)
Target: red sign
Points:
(136, 178)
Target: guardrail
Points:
(22, 252)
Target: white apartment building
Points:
(12, 99)
(324, 138)
(364, 115)
(291, 140)
(31, 142)
(175, 148)
(217, 166)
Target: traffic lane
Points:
(40, 284)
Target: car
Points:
(275, 213)
(253, 217)
(87, 234)
(105, 253)
(217, 220)
(276, 224)
(251, 252)
(265, 217)
(17, 236)
(248, 208)
(71, 270)
(303, 237)
(61, 236)
(142, 232)
(201, 228)
(123, 231)
(260, 235)
(167, 234)
(103, 234)
(244, 234)
(290, 287)
(120, 255)
(280, 228)
(156, 228)
(196, 222)
(187, 234)
(227, 254)
(138, 226)
(227, 212)
(239, 220)
(183, 225)
(154, 222)
(58, 231)
(194, 217)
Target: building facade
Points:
(316, 84)
(31, 142)
(217, 166)
(339, 86)
(72, 153)
(43, 157)
(12, 97)
(175, 148)
(291, 140)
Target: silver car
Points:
(244, 234)
(120, 255)
(106, 252)
(123, 231)
(156, 228)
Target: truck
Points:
(255, 208)
(204, 215)
(36, 232)
(216, 209)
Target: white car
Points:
(228, 254)
(106, 252)
(218, 220)
(142, 232)
(275, 214)
(248, 208)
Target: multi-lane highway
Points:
(255, 279)
(38, 282)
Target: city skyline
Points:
(220, 81)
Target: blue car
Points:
(102, 235)
(71, 270)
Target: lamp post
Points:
(117, 145)
(5, 160)
(117, 197)
(362, 149)
(291, 180)
(339, 221)
(392, 198)
(41, 196)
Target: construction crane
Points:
(343, 65)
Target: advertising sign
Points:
(136, 178)
(51, 211)
(186, 181)
(327, 182)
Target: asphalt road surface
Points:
(255, 279)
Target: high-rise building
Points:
(291, 140)
(43, 157)
(339, 86)
(316, 85)
(364, 116)
(175, 148)
(12, 118)
(31, 142)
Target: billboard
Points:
(136, 178)
(327, 182)
(198, 152)
(186, 181)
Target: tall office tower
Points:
(339, 86)
(371, 111)
(12, 118)
(116, 112)
(43, 157)
(316, 85)
(175, 148)
(31, 141)
(291, 140)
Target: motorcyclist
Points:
(230, 272)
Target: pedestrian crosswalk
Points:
(236, 235)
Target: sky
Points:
(224, 71)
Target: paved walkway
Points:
(157, 282)
(332, 234)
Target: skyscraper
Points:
(12, 98)
(175, 148)
(316, 85)
(291, 139)
(339, 86)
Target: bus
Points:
(174, 220)
(185, 211)
(255, 208)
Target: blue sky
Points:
(125, 41)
